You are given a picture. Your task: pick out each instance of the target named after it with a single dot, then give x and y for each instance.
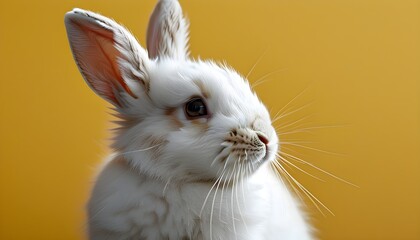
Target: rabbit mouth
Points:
(231, 154)
(243, 148)
(266, 154)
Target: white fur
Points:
(172, 177)
(125, 205)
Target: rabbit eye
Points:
(195, 108)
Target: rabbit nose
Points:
(262, 138)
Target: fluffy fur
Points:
(173, 177)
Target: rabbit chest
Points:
(125, 205)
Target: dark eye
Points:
(195, 108)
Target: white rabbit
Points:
(194, 148)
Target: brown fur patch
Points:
(120, 160)
(203, 126)
(223, 159)
(170, 112)
(156, 144)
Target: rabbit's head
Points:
(180, 119)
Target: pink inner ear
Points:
(153, 32)
(94, 50)
(106, 43)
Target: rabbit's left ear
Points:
(167, 34)
(111, 61)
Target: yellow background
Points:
(359, 60)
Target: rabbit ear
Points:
(167, 34)
(111, 61)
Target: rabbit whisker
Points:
(289, 124)
(289, 113)
(295, 190)
(166, 186)
(226, 161)
(231, 201)
(207, 196)
(291, 101)
(217, 157)
(293, 132)
(256, 63)
(317, 168)
(265, 77)
(314, 149)
(297, 129)
(310, 196)
(240, 178)
(300, 169)
(212, 204)
(141, 150)
(325, 126)
(221, 201)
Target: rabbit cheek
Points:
(173, 118)
(156, 145)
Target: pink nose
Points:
(262, 138)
